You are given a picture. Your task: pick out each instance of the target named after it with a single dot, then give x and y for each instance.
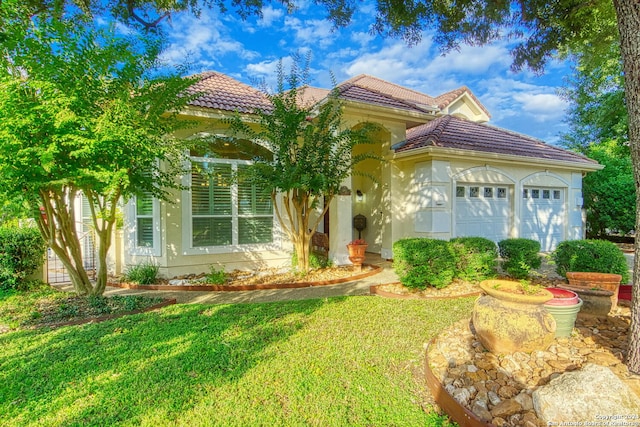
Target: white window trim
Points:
(132, 230)
(187, 220)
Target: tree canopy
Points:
(312, 156)
(83, 111)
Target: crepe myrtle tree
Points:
(312, 155)
(80, 113)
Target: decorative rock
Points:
(506, 408)
(605, 359)
(562, 364)
(499, 422)
(481, 411)
(524, 400)
(494, 399)
(462, 396)
(552, 404)
(507, 392)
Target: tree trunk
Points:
(59, 231)
(628, 15)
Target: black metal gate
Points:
(56, 271)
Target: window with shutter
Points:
(227, 207)
(144, 221)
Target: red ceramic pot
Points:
(625, 292)
(562, 297)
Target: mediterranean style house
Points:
(445, 174)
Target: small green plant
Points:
(596, 256)
(99, 303)
(215, 276)
(316, 261)
(144, 273)
(520, 256)
(528, 288)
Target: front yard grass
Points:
(351, 361)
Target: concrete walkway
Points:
(359, 287)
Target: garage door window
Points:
(502, 193)
(488, 192)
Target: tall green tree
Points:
(598, 128)
(312, 156)
(595, 92)
(83, 111)
(609, 194)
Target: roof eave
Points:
(379, 109)
(496, 157)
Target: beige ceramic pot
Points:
(509, 319)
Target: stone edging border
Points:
(461, 415)
(106, 317)
(374, 290)
(221, 288)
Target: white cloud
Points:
(269, 16)
(203, 41)
(541, 107)
(312, 32)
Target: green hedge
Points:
(21, 254)
(519, 256)
(424, 262)
(477, 258)
(598, 256)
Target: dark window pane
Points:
(211, 231)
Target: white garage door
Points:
(483, 211)
(543, 216)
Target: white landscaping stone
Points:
(589, 395)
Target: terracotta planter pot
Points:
(507, 320)
(601, 281)
(357, 254)
(597, 302)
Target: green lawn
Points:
(352, 361)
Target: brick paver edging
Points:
(222, 288)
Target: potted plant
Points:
(357, 249)
(512, 317)
(583, 280)
(564, 307)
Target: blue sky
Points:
(250, 50)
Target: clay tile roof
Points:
(452, 132)
(373, 90)
(225, 93)
(444, 100)
(309, 96)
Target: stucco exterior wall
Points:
(427, 189)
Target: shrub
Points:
(598, 256)
(519, 256)
(316, 260)
(216, 277)
(144, 273)
(21, 254)
(477, 258)
(424, 262)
